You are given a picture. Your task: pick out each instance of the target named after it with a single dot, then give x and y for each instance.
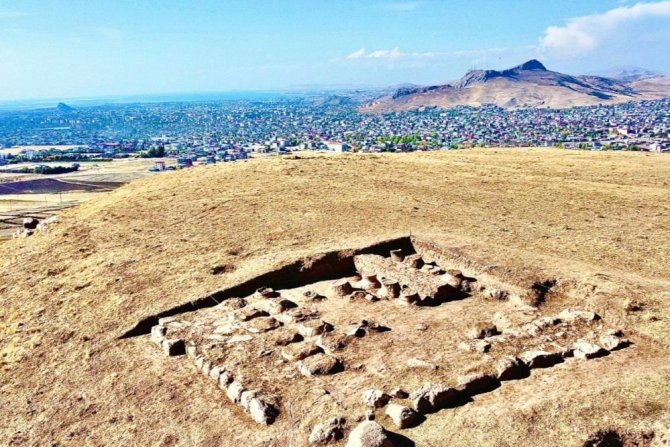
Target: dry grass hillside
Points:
(595, 224)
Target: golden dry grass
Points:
(598, 222)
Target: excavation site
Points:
(397, 335)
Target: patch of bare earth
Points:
(542, 230)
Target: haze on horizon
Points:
(79, 48)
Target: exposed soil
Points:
(595, 223)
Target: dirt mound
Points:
(593, 225)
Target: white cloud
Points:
(584, 34)
(359, 54)
(401, 6)
(395, 53)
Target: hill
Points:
(554, 229)
(527, 85)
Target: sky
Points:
(104, 48)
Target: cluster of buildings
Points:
(210, 132)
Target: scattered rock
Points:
(414, 261)
(402, 417)
(482, 346)
(397, 255)
(319, 365)
(310, 295)
(541, 359)
(30, 223)
(482, 330)
(420, 363)
(585, 350)
(477, 383)
(234, 391)
(249, 313)
(399, 393)
(266, 292)
(327, 432)
(511, 368)
(274, 307)
(311, 328)
(172, 347)
(613, 342)
(633, 305)
(300, 351)
(571, 315)
(158, 333)
(263, 324)
(433, 397)
(369, 415)
(262, 412)
(390, 289)
(239, 339)
(497, 294)
(369, 434)
(369, 282)
(454, 278)
(331, 342)
(375, 398)
(408, 297)
(341, 287)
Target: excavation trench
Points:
(322, 267)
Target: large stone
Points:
(262, 411)
(173, 347)
(402, 416)
(284, 337)
(397, 255)
(341, 287)
(275, 306)
(327, 432)
(234, 391)
(369, 434)
(390, 289)
(511, 368)
(262, 324)
(375, 398)
(433, 397)
(570, 315)
(300, 351)
(613, 342)
(30, 223)
(477, 383)
(249, 313)
(310, 328)
(541, 359)
(246, 397)
(266, 292)
(414, 261)
(414, 362)
(332, 342)
(319, 365)
(158, 334)
(585, 350)
(482, 330)
(369, 282)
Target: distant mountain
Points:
(524, 86)
(628, 73)
(64, 108)
(333, 101)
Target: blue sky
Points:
(89, 48)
